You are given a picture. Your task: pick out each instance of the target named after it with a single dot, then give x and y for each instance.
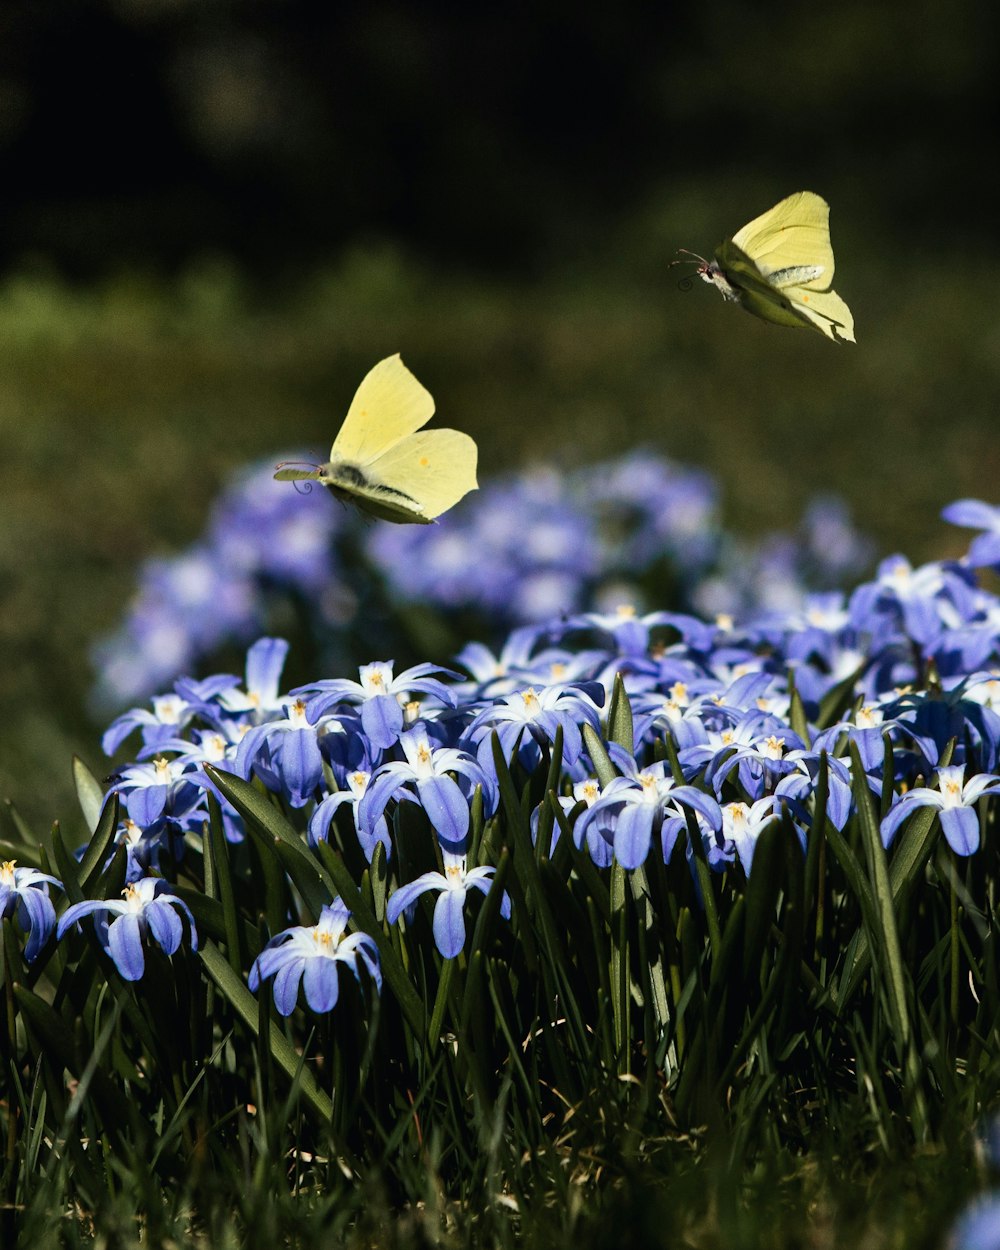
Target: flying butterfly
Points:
(780, 268)
(382, 461)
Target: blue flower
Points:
(449, 911)
(441, 796)
(171, 712)
(955, 799)
(634, 807)
(742, 825)
(147, 910)
(379, 694)
(310, 955)
(24, 893)
(978, 1228)
(541, 713)
(322, 817)
(984, 550)
(285, 754)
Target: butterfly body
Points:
(384, 463)
(780, 268)
(351, 484)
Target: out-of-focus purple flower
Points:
(311, 955)
(978, 1228)
(984, 550)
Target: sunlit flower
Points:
(311, 955)
(147, 910)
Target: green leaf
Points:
(620, 728)
(603, 767)
(68, 868)
(281, 1049)
(797, 715)
(583, 865)
(363, 919)
(888, 936)
(61, 1051)
(619, 972)
(836, 701)
(97, 851)
(89, 793)
(27, 838)
(217, 854)
(276, 835)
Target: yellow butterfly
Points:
(780, 267)
(379, 461)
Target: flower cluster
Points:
(754, 718)
(632, 528)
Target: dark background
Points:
(216, 216)
(146, 131)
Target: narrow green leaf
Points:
(912, 849)
(210, 921)
(888, 937)
(619, 975)
(603, 767)
(379, 873)
(761, 897)
(97, 851)
(620, 728)
(25, 835)
(583, 865)
(440, 1001)
(797, 715)
(362, 918)
(273, 830)
(546, 820)
(652, 967)
(59, 1047)
(218, 856)
(68, 868)
(89, 793)
(281, 1049)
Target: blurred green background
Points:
(217, 214)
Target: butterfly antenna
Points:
(692, 255)
(291, 464)
(690, 258)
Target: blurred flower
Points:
(978, 1228)
(984, 550)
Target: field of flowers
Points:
(622, 905)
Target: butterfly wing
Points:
(415, 480)
(389, 405)
(781, 264)
(794, 234)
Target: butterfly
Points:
(780, 268)
(380, 462)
